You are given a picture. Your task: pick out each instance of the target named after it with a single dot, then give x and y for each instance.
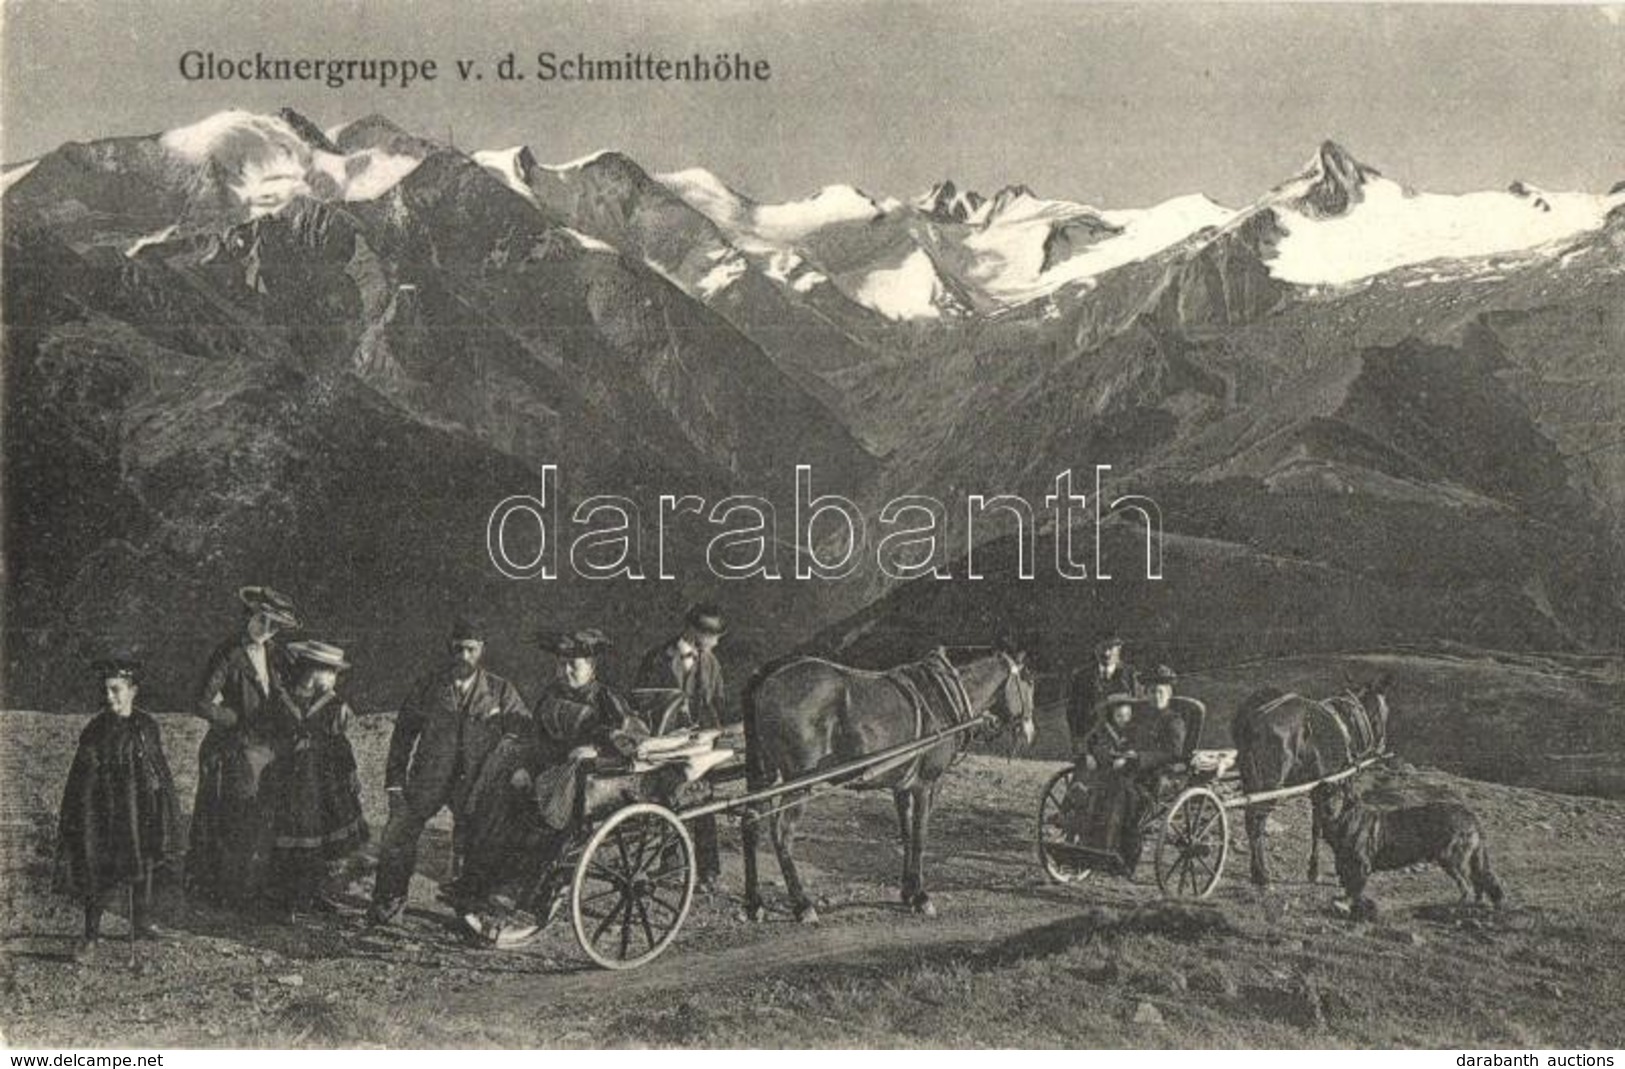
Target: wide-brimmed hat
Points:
(1163, 674)
(707, 619)
(273, 603)
(324, 653)
(1121, 697)
(117, 667)
(587, 642)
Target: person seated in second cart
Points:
(1158, 733)
(1113, 799)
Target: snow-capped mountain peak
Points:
(1331, 183)
(513, 165)
(948, 203)
(267, 160)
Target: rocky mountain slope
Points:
(251, 350)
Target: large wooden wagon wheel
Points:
(633, 886)
(1059, 818)
(1194, 843)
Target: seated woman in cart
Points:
(529, 802)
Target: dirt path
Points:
(872, 970)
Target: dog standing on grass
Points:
(1365, 839)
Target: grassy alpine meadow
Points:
(1011, 960)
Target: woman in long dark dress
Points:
(117, 825)
(230, 842)
(313, 788)
(527, 802)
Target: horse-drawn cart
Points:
(1183, 815)
(627, 869)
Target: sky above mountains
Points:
(1110, 104)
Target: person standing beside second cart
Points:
(1108, 674)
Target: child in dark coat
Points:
(117, 824)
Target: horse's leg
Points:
(1316, 771)
(784, 841)
(1315, 808)
(749, 828)
(905, 826)
(923, 798)
(1257, 822)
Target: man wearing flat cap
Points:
(241, 695)
(688, 665)
(1107, 673)
(450, 725)
(118, 819)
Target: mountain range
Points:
(252, 350)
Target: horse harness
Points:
(1343, 710)
(936, 691)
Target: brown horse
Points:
(1287, 740)
(804, 714)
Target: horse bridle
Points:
(1015, 667)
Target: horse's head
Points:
(1373, 697)
(1014, 704)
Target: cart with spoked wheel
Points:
(626, 872)
(1184, 821)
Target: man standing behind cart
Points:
(688, 663)
(452, 722)
(1109, 674)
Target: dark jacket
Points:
(569, 717)
(701, 684)
(230, 837)
(245, 720)
(1160, 737)
(442, 738)
(118, 816)
(1088, 686)
(1106, 744)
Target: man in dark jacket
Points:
(688, 665)
(1091, 684)
(451, 724)
(118, 817)
(227, 858)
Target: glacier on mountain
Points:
(911, 290)
(1393, 228)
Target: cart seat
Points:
(1213, 763)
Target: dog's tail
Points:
(1484, 881)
